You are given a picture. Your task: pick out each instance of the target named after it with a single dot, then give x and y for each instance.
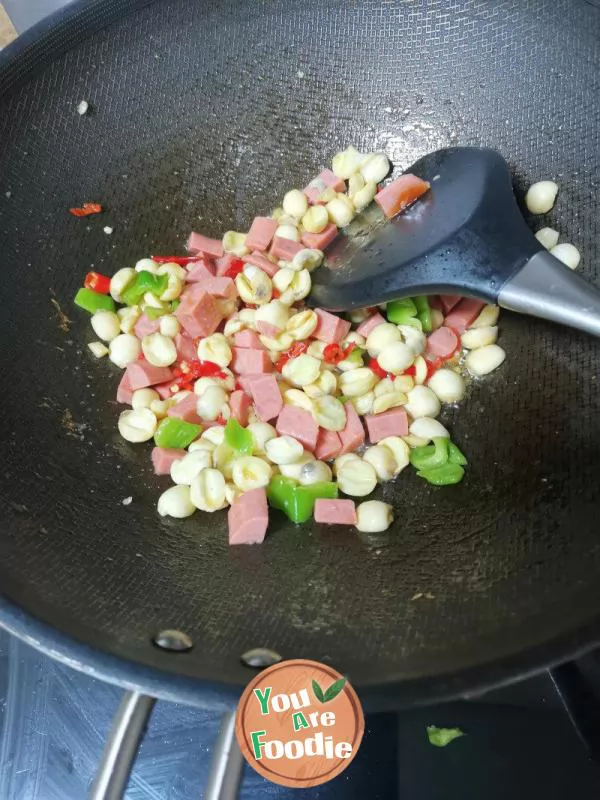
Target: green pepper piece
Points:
(356, 355)
(238, 437)
(424, 313)
(175, 432)
(414, 322)
(279, 491)
(440, 737)
(398, 311)
(455, 456)
(155, 313)
(297, 501)
(94, 301)
(435, 455)
(444, 475)
(175, 305)
(144, 282)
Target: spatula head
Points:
(465, 236)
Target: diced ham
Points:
(324, 180)
(463, 314)
(365, 328)
(400, 194)
(353, 435)
(248, 361)
(124, 390)
(320, 241)
(199, 271)
(245, 381)
(221, 287)
(261, 233)
(142, 374)
(145, 326)
(436, 302)
(240, 404)
(224, 264)
(264, 390)
(262, 262)
(186, 349)
(330, 329)
(248, 518)
(163, 458)
(285, 249)
(197, 243)
(248, 338)
(299, 424)
(267, 329)
(198, 313)
(448, 302)
(391, 423)
(443, 342)
(329, 445)
(186, 409)
(335, 512)
(164, 389)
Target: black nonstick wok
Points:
(203, 114)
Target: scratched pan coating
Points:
(202, 115)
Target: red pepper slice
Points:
(333, 354)
(381, 373)
(412, 371)
(97, 282)
(295, 350)
(86, 210)
(189, 371)
(220, 420)
(434, 365)
(181, 260)
(236, 266)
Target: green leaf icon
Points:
(318, 692)
(334, 690)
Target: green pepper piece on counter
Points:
(175, 432)
(440, 737)
(399, 311)
(455, 456)
(238, 437)
(445, 475)
(144, 282)
(94, 301)
(430, 456)
(296, 501)
(424, 313)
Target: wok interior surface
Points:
(202, 115)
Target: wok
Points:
(202, 114)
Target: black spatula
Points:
(465, 236)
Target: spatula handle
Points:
(546, 288)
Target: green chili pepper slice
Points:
(455, 456)
(144, 282)
(399, 311)
(296, 501)
(94, 301)
(238, 437)
(443, 476)
(174, 432)
(424, 313)
(435, 455)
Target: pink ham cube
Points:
(324, 180)
(365, 328)
(186, 349)
(267, 329)
(335, 512)
(353, 435)
(329, 445)
(248, 518)
(247, 361)
(164, 389)
(198, 313)
(261, 233)
(262, 262)
(142, 374)
(240, 404)
(199, 271)
(463, 314)
(163, 458)
(248, 339)
(391, 423)
(266, 395)
(299, 424)
(442, 343)
(145, 326)
(285, 249)
(186, 409)
(197, 243)
(448, 301)
(330, 329)
(319, 241)
(220, 287)
(124, 390)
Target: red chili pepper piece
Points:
(434, 365)
(97, 282)
(411, 371)
(189, 371)
(181, 260)
(86, 210)
(381, 373)
(333, 354)
(236, 266)
(221, 420)
(295, 350)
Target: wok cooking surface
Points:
(203, 114)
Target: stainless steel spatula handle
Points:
(546, 288)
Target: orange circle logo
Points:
(299, 723)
